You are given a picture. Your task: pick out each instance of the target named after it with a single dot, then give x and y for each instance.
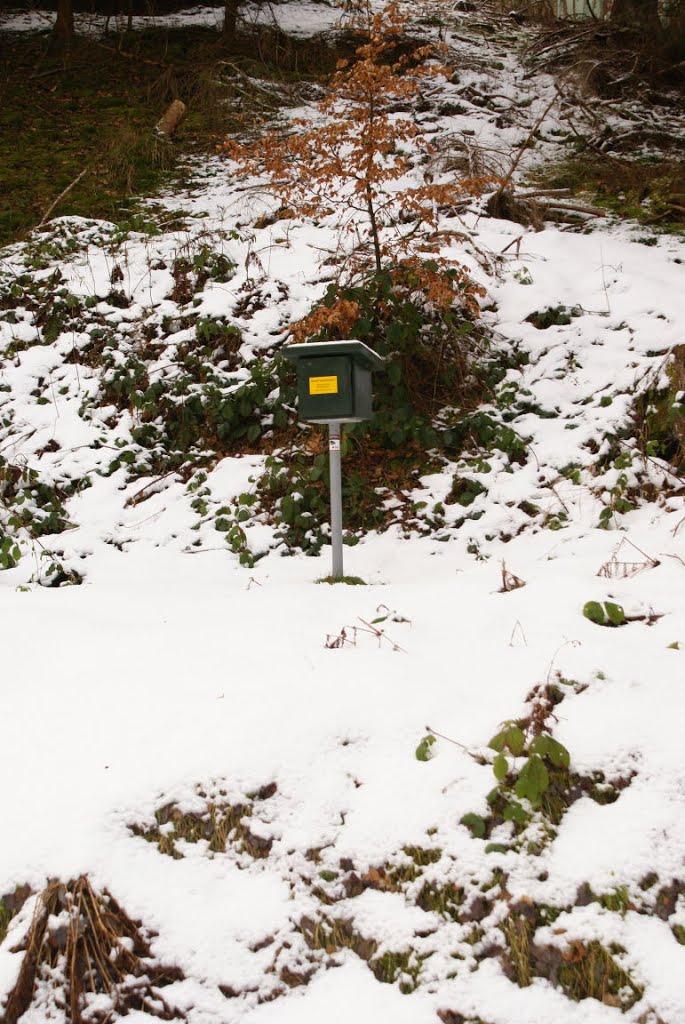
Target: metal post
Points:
(336, 498)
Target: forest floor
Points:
(233, 793)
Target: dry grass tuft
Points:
(82, 946)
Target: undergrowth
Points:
(650, 191)
(217, 823)
(659, 424)
(439, 368)
(95, 108)
(472, 916)
(535, 784)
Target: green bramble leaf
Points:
(423, 751)
(512, 737)
(615, 613)
(496, 848)
(497, 742)
(533, 780)
(593, 611)
(607, 614)
(516, 740)
(515, 812)
(548, 747)
(558, 754)
(500, 767)
(540, 745)
(288, 509)
(10, 552)
(475, 824)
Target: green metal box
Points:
(334, 380)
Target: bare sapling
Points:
(359, 157)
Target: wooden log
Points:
(171, 119)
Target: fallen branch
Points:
(590, 211)
(61, 196)
(545, 192)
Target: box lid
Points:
(360, 353)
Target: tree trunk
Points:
(230, 18)
(63, 29)
(377, 256)
(370, 150)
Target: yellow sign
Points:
(323, 385)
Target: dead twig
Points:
(517, 631)
(140, 496)
(649, 619)
(615, 569)
(515, 241)
(334, 643)
(510, 581)
(62, 195)
(666, 555)
(559, 498)
(476, 757)
(347, 637)
(380, 634)
(518, 156)
(566, 643)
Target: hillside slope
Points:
(455, 793)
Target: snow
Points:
(296, 18)
(349, 993)
(165, 671)
(173, 670)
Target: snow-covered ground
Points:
(174, 677)
(295, 17)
